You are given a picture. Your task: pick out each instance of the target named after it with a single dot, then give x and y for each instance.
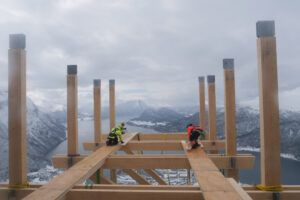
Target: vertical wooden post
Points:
(72, 110)
(230, 118)
(17, 110)
(112, 107)
(97, 111)
(268, 101)
(202, 112)
(212, 109)
(112, 119)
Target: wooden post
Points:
(112, 108)
(97, 111)
(268, 101)
(72, 110)
(112, 119)
(212, 109)
(202, 104)
(230, 118)
(17, 110)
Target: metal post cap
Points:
(112, 82)
(72, 69)
(97, 82)
(265, 28)
(228, 63)
(211, 78)
(201, 79)
(17, 41)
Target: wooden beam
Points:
(112, 119)
(137, 177)
(72, 110)
(230, 119)
(242, 161)
(212, 183)
(78, 173)
(154, 145)
(212, 109)
(97, 111)
(202, 112)
(247, 188)
(17, 110)
(155, 176)
(268, 101)
(243, 194)
(147, 191)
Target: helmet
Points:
(189, 125)
(123, 124)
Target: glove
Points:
(122, 142)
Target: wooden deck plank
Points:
(59, 186)
(212, 183)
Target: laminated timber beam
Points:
(212, 183)
(59, 186)
(243, 161)
(154, 145)
(289, 193)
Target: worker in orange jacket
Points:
(194, 132)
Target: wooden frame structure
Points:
(213, 185)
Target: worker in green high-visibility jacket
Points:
(116, 133)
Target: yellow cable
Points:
(25, 185)
(268, 188)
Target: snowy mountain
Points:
(156, 118)
(247, 124)
(43, 134)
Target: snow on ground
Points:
(145, 123)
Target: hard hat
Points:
(123, 124)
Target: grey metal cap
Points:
(97, 82)
(228, 63)
(211, 78)
(265, 28)
(72, 69)
(201, 79)
(112, 82)
(17, 41)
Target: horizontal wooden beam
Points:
(155, 145)
(248, 188)
(146, 191)
(242, 161)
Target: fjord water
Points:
(290, 169)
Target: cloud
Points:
(160, 47)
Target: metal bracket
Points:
(233, 162)
(213, 143)
(97, 144)
(11, 194)
(70, 161)
(276, 196)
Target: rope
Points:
(98, 176)
(25, 185)
(268, 188)
(189, 176)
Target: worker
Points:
(116, 133)
(194, 132)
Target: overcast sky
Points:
(155, 49)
